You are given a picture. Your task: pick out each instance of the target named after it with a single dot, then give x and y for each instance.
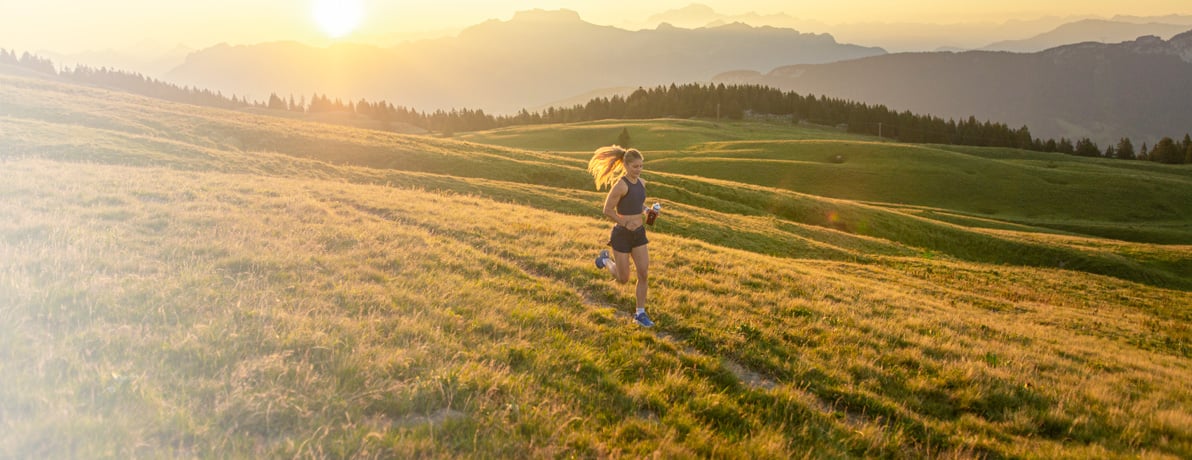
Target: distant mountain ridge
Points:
(1014, 35)
(1140, 89)
(1097, 30)
(698, 15)
(504, 66)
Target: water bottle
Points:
(652, 212)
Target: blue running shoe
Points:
(601, 258)
(643, 320)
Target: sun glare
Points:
(337, 17)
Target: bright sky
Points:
(69, 26)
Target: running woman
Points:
(622, 168)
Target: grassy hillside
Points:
(977, 204)
(189, 282)
(1128, 200)
(659, 135)
(1046, 190)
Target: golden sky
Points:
(68, 26)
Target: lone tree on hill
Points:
(623, 139)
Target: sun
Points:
(337, 17)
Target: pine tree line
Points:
(708, 101)
(126, 81)
(145, 86)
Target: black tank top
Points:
(634, 200)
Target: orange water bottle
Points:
(652, 212)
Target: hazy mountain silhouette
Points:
(503, 66)
(1140, 89)
(1014, 35)
(1089, 30)
(1185, 19)
(899, 36)
(691, 16)
(698, 15)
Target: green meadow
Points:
(178, 281)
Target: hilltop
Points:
(188, 281)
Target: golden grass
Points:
(158, 312)
(185, 282)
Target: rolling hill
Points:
(181, 281)
(1041, 190)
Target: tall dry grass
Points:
(155, 312)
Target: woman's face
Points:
(633, 168)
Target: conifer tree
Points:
(1065, 146)
(1085, 147)
(1125, 149)
(1165, 151)
(275, 102)
(623, 139)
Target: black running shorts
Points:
(624, 240)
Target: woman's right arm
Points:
(610, 202)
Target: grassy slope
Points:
(669, 136)
(1134, 201)
(174, 287)
(978, 204)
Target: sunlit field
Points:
(178, 281)
(1135, 200)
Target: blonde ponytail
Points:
(608, 164)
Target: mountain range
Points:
(504, 66)
(1140, 89)
(1015, 35)
(538, 59)
(1098, 30)
(154, 58)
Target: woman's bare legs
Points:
(641, 261)
(618, 265)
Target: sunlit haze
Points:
(337, 17)
(67, 26)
